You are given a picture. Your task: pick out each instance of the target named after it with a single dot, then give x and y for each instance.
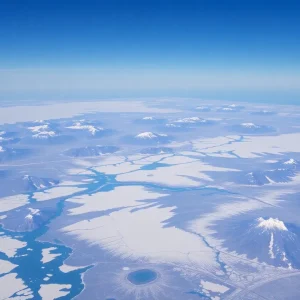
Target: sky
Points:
(63, 48)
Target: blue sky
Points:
(148, 47)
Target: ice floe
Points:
(142, 234)
(48, 255)
(12, 202)
(56, 192)
(6, 266)
(10, 246)
(54, 291)
(11, 285)
(120, 197)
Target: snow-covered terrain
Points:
(202, 200)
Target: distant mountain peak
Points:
(38, 128)
(30, 217)
(90, 128)
(251, 128)
(33, 183)
(34, 211)
(171, 125)
(231, 107)
(35, 218)
(42, 131)
(249, 125)
(44, 134)
(148, 118)
(290, 162)
(191, 120)
(146, 135)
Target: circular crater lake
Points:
(142, 276)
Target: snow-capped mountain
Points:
(33, 183)
(278, 172)
(171, 125)
(270, 224)
(291, 162)
(46, 134)
(148, 135)
(249, 125)
(149, 120)
(88, 128)
(27, 183)
(251, 128)
(230, 108)
(93, 130)
(256, 178)
(148, 138)
(29, 219)
(266, 239)
(91, 151)
(187, 123)
(42, 131)
(284, 170)
(191, 120)
(279, 245)
(38, 128)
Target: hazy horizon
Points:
(229, 50)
